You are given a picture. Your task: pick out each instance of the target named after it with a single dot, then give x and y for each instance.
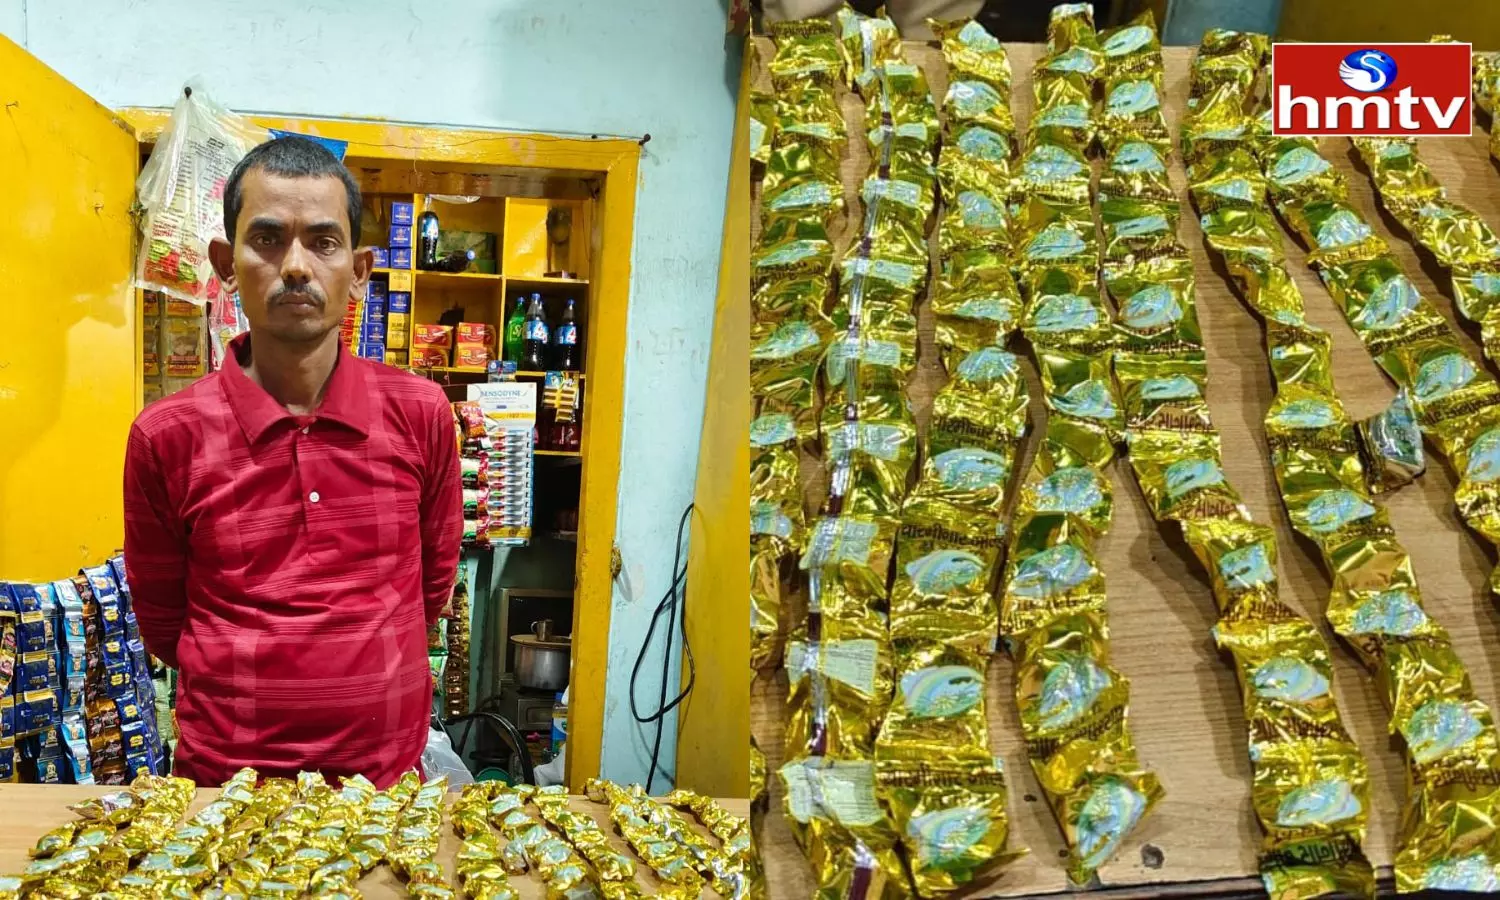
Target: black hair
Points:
(290, 157)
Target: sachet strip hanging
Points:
(1310, 782)
(937, 774)
(1447, 839)
(1462, 242)
(1456, 402)
(838, 657)
(801, 141)
(1072, 702)
(1327, 470)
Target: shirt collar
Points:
(346, 399)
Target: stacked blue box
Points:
(29, 672)
(371, 340)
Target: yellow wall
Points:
(713, 729)
(68, 384)
(1340, 21)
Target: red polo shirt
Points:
(288, 567)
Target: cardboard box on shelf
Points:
(471, 356)
(395, 357)
(382, 257)
(480, 333)
(437, 336)
(428, 357)
(401, 257)
(400, 237)
(401, 213)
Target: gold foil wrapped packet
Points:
(867, 43)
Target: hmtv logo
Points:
(1363, 89)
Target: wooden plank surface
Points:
(1202, 840)
(29, 810)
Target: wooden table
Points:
(29, 810)
(1201, 841)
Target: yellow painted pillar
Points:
(713, 727)
(68, 363)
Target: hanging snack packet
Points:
(182, 191)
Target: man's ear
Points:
(364, 264)
(221, 254)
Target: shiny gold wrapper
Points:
(1455, 400)
(1052, 608)
(784, 360)
(976, 303)
(796, 297)
(979, 81)
(762, 126)
(870, 358)
(1321, 461)
(1461, 241)
(806, 50)
(1310, 790)
(951, 815)
(868, 43)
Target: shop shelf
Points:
(457, 280)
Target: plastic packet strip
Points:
(784, 360)
(1052, 607)
(97, 855)
(585, 836)
(418, 829)
(1461, 241)
(1455, 400)
(762, 125)
(720, 867)
(669, 852)
(975, 302)
(1300, 753)
(838, 658)
(191, 857)
(1487, 93)
(1321, 465)
(979, 141)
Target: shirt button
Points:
(313, 496)
(305, 428)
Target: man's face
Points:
(293, 261)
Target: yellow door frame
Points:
(713, 728)
(614, 162)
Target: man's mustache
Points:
(301, 293)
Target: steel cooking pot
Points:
(542, 664)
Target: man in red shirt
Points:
(292, 521)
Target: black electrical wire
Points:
(667, 604)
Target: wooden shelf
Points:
(571, 454)
(540, 281)
(457, 279)
(527, 373)
(388, 272)
(471, 370)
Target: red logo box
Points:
(1348, 90)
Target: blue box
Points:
(401, 236)
(398, 302)
(401, 213)
(372, 350)
(375, 289)
(382, 257)
(374, 333)
(401, 257)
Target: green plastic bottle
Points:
(515, 331)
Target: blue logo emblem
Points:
(1368, 70)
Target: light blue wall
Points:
(589, 66)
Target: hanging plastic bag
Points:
(439, 758)
(226, 320)
(181, 190)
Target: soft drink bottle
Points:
(534, 347)
(515, 332)
(427, 231)
(565, 350)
